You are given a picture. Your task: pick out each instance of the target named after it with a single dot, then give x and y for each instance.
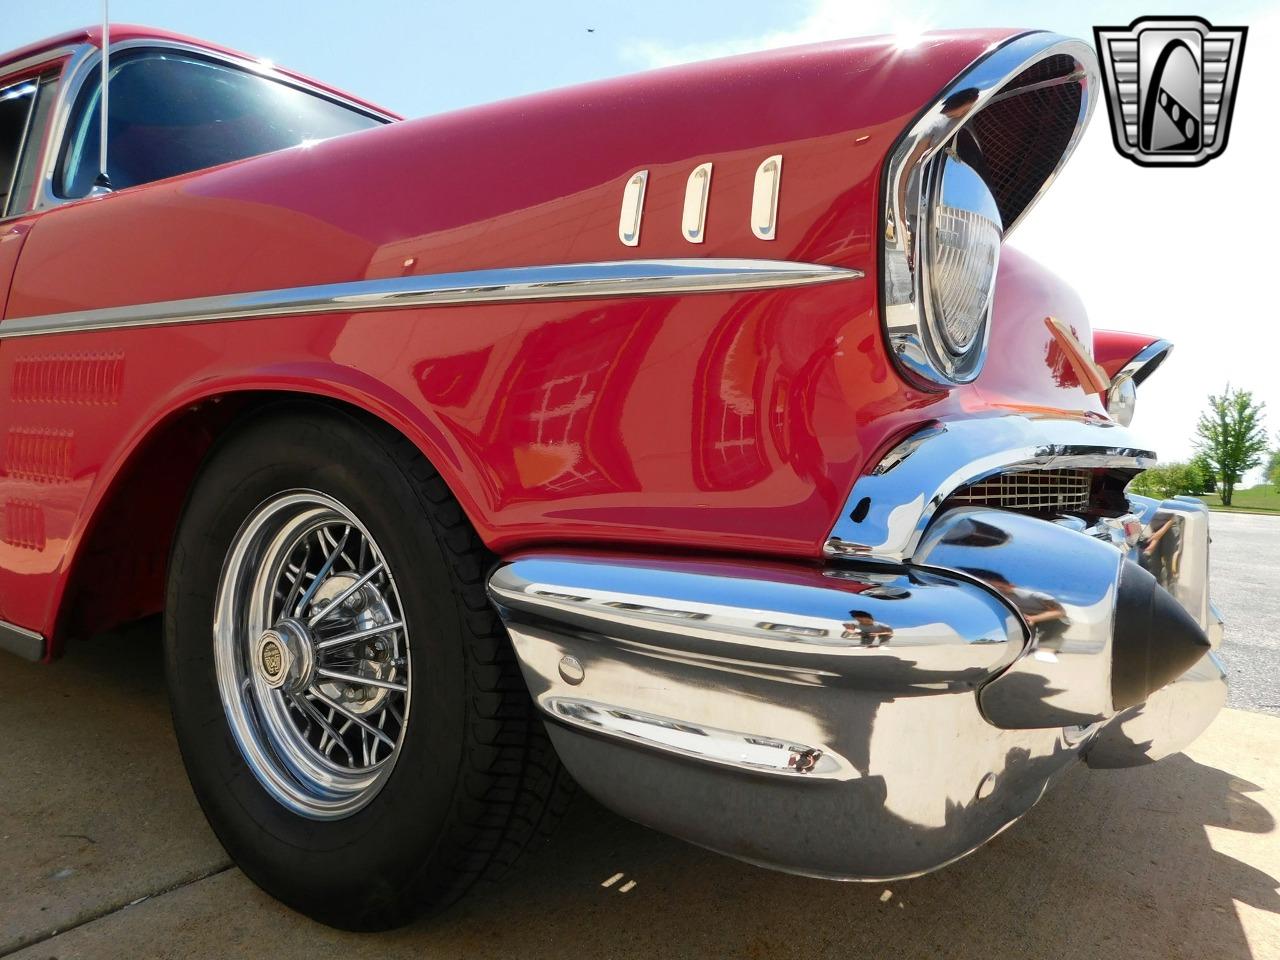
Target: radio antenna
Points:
(102, 183)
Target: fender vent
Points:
(1033, 491)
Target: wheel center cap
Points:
(273, 660)
(284, 657)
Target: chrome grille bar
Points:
(1029, 490)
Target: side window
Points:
(24, 113)
(170, 113)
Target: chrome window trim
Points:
(905, 307)
(904, 490)
(81, 68)
(552, 282)
(22, 143)
(48, 57)
(1145, 362)
(20, 641)
(36, 59)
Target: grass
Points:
(1264, 498)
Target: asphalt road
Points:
(1244, 567)
(104, 852)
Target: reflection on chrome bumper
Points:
(1170, 720)
(853, 722)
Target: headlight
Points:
(941, 276)
(960, 252)
(957, 181)
(1122, 398)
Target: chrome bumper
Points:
(859, 721)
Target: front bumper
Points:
(866, 720)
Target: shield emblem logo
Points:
(1171, 86)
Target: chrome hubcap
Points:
(285, 657)
(312, 655)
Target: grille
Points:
(1031, 490)
(1024, 133)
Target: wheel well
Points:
(118, 573)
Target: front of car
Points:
(990, 605)
(801, 494)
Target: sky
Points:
(1189, 254)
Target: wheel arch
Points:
(117, 561)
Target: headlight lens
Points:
(961, 257)
(1122, 399)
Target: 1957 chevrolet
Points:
(692, 430)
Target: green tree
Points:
(1230, 436)
(1273, 467)
(1200, 475)
(1165, 481)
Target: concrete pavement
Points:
(1245, 570)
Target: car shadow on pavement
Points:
(1161, 861)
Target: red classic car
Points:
(693, 431)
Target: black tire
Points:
(476, 779)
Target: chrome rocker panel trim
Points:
(898, 497)
(573, 281)
(833, 722)
(18, 640)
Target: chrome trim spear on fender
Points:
(624, 278)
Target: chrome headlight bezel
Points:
(948, 174)
(913, 171)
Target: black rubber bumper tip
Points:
(1156, 640)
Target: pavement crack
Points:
(23, 944)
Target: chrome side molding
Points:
(622, 278)
(18, 640)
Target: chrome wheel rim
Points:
(311, 653)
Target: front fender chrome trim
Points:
(623, 278)
(1145, 361)
(890, 506)
(18, 640)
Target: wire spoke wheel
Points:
(312, 657)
